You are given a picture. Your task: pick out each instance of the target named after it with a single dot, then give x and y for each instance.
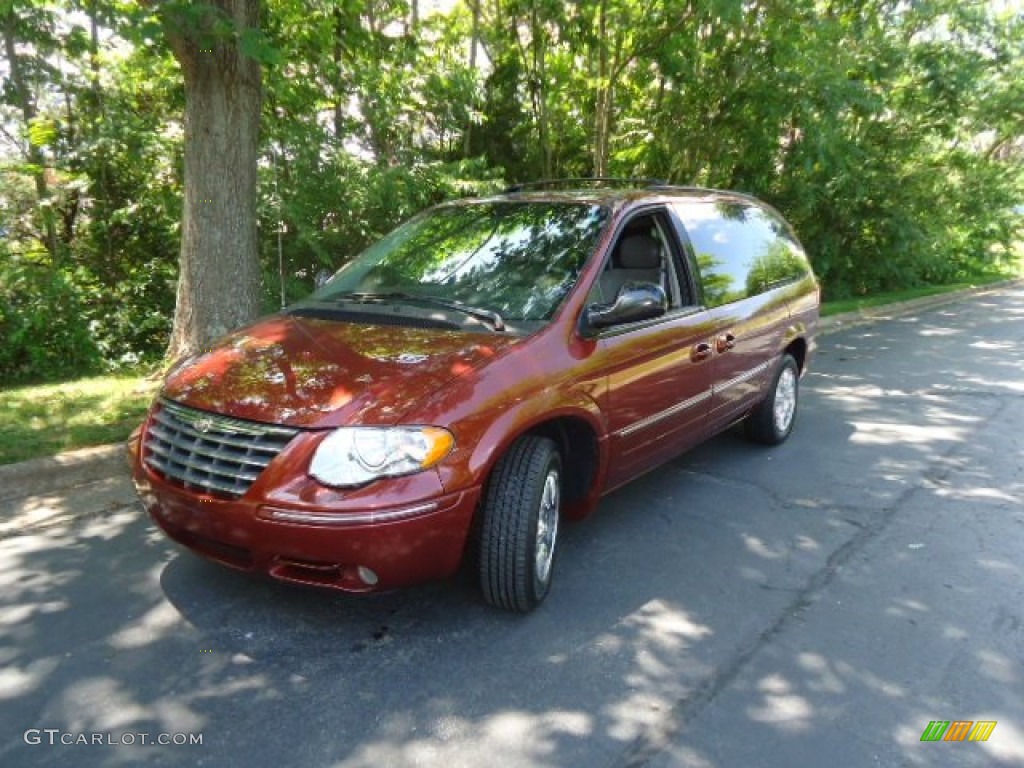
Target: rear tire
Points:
(771, 421)
(519, 525)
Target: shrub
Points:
(42, 327)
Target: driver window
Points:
(641, 254)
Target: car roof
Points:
(624, 193)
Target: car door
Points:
(659, 371)
(733, 243)
(746, 340)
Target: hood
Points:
(323, 373)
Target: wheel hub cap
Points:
(547, 526)
(785, 400)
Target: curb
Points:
(846, 320)
(65, 470)
(54, 473)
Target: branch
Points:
(14, 140)
(652, 45)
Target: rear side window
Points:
(742, 249)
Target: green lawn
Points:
(50, 418)
(880, 299)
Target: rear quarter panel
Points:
(804, 314)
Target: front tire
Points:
(519, 525)
(772, 419)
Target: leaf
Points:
(255, 44)
(42, 131)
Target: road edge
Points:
(48, 474)
(869, 315)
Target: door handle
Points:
(700, 352)
(725, 342)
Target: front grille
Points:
(208, 452)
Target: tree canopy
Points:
(891, 134)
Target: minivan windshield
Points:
(518, 259)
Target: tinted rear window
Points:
(742, 250)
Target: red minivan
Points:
(487, 369)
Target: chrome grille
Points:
(209, 452)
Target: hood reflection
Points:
(310, 372)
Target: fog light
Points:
(369, 577)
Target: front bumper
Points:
(388, 547)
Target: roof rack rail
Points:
(546, 183)
(679, 187)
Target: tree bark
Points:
(602, 101)
(33, 154)
(539, 83)
(474, 36)
(219, 276)
(336, 59)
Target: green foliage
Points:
(42, 132)
(889, 133)
(325, 225)
(40, 323)
(100, 296)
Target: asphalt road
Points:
(742, 606)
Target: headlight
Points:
(357, 455)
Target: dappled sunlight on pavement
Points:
(99, 496)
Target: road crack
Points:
(657, 740)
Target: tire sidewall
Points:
(510, 520)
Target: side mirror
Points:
(635, 302)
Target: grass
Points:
(892, 297)
(47, 419)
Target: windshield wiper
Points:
(491, 318)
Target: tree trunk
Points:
(539, 88)
(602, 100)
(95, 117)
(474, 36)
(33, 154)
(336, 76)
(219, 275)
